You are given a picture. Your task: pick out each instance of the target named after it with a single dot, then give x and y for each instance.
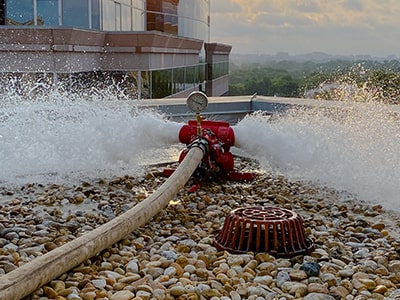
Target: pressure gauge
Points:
(197, 101)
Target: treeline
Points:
(317, 80)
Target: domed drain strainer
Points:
(274, 230)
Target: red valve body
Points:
(218, 161)
(221, 129)
(219, 136)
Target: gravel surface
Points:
(356, 254)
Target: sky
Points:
(339, 27)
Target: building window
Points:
(179, 80)
(154, 16)
(220, 69)
(187, 18)
(171, 81)
(126, 15)
(193, 19)
(118, 19)
(161, 83)
(47, 13)
(19, 12)
(170, 8)
(138, 15)
(95, 14)
(162, 15)
(51, 13)
(108, 15)
(75, 13)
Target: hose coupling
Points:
(200, 143)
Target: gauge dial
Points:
(197, 101)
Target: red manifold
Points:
(221, 129)
(218, 162)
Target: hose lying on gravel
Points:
(31, 276)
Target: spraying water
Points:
(355, 149)
(62, 136)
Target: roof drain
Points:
(274, 230)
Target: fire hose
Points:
(206, 156)
(31, 276)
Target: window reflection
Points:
(126, 15)
(161, 83)
(169, 81)
(108, 15)
(117, 18)
(188, 18)
(47, 12)
(95, 14)
(138, 15)
(193, 19)
(162, 15)
(220, 69)
(75, 13)
(19, 12)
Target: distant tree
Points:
(284, 86)
(251, 86)
(314, 80)
(260, 79)
(236, 89)
(385, 85)
(380, 79)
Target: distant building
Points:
(163, 44)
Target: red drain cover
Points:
(274, 230)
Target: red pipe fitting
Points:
(225, 161)
(221, 129)
(218, 137)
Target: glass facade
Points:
(189, 18)
(184, 18)
(19, 12)
(52, 13)
(167, 82)
(69, 13)
(122, 15)
(219, 69)
(193, 19)
(47, 12)
(162, 15)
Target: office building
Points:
(163, 44)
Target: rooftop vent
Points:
(274, 230)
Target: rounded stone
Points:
(99, 283)
(177, 290)
(122, 295)
(298, 275)
(170, 271)
(189, 268)
(310, 268)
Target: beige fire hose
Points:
(31, 276)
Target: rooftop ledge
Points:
(232, 105)
(22, 38)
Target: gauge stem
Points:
(198, 117)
